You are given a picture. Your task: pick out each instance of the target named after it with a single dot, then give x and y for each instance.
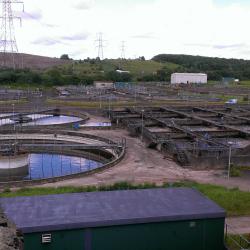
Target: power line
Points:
(8, 44)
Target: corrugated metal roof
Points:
(98, 209)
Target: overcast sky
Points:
(149, 27)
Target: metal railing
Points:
(234, 240)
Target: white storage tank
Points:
(185, 78)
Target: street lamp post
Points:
(142, 112)
(14, 127)
(13, 114)
(109, 108)
(100, 99)
(229, 159)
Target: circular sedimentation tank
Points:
(49, 117)
(39, 119)
(16, 166)
(36, 166)
(47, 156)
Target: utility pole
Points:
(14, 127)
(229, 159)
(142, 124)
(100, 99)
(8, 45)
(109, 108)
(100, 46)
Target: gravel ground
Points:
(239, 225)
(8, 236)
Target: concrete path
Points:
(76, 139)
(238, 225)
(58, 138)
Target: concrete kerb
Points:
(58, 132)
(99, 128)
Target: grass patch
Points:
(245, 83)
(237, 242)
(136, 67)
(20, 101)
(242, 168)
(70, 189)
(234, 201)
(225, 97)
(26, 86)
(105, 104)
(235, 171)
(95, 105)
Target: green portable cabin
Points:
(152, 219)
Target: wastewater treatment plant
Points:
(105, 144)
(62, 143)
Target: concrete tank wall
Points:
(14, 167)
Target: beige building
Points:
(103, 85)
(185, 78)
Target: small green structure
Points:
(228, 80)
(152, 219)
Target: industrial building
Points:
(103, 85)
(155, 219)
(186, 78)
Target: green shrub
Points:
(235, 172)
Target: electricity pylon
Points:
(100, 45)
(8, 44)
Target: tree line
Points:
(216, 68)
(57, 76)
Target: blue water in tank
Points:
(97, 124)
(40, 119)
(42, 166)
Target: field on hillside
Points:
(33, 61)
(136, 67)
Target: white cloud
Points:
(148, 27)
(83, 4)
